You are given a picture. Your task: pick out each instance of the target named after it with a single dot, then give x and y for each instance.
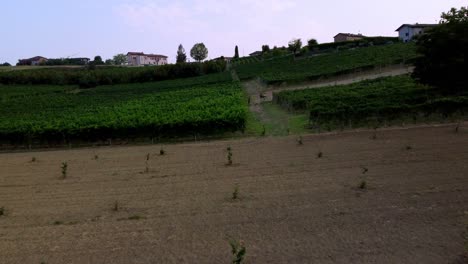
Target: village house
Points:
(342, 37)
(34, 61)
(407, 32)
(141, 59)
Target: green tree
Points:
(312, 42)
(444, 50)
(236, 52)
(265, 48)
(199, 52)
(120, 59)
(98, 60)
(5, 64)
(109, 62)
(295, 45)
(181, 56)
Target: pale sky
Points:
(85, 28)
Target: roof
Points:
(148, 55)
(350, 35)
(35, 58)
(256, 53)
(416, 26)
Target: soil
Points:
(115, 206)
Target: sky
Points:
(86, 28)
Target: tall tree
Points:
(181, 56)
(444, 50)
(265, 48)
(120, 59)
(98, 60)
(236, 52)
(312, 42)
(295, 45)
(199, 52)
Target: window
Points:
(407, 34)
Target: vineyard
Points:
(88, 77)
(375, 101)
(207, 104)
(326, 65)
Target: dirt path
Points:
(292, 206)
(276, 120)
(340, 80)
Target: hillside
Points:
(286, 69)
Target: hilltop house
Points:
(141, 59)
(34, 61)
(342, 37)
(407, 32)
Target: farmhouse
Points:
(34, 61)
(342, 37)
(141, 59)
(407, 32)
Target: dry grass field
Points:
(390, 196)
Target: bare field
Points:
(293, 206)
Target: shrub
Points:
(64, 169)
(235, 193)
(238, 251)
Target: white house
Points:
(141, 59)
(408, 31)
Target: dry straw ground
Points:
(115, 206)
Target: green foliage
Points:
(238, 251)
(285, 68)
(346, 45)
(5, 64)
(368, 101)
(64, 169)
(295, 45)
(106, 75)
(87, 81)
(199, 52)
(455, 16)
(265, 48)
(312, 42)
(207, 104)
(98, 60)
(445, 49)
(181, 56)
(120, 59)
